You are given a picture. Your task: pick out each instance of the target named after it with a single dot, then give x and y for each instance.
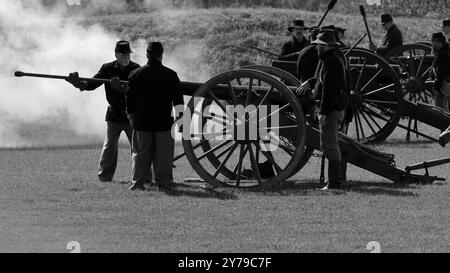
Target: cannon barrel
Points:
(187, 88)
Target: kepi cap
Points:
(445, 23)
(123, 47)
(439, 37)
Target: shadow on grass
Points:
(367, 188)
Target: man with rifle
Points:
(291, 49)
(116, 118)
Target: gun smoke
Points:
(46, 112)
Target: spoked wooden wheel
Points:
(376, 97)
(415, 66)
(292, 82)
(417, 75)
(251, 110)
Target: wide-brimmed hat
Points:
(123, 47)
(297, 24)
(445, 23)
(326, 37)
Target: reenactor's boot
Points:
(334, 176)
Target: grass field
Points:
(49, 197)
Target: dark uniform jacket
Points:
(307, 62)
(116, 109)
(153, 90)
(392, 39)
(332, 81)
(290, 49)
(441, 65)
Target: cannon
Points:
(387, 94)
(219, 155)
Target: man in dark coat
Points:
(441, 65)
(393, 37)
(291, 49)
(446, 28)
(153, 92)
(308, 59)
(330, 86)
(116, 118)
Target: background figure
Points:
(116, 118)
(291, 49)
(153, 91)
(308, 59)
(393, 37)
(441, 64)
(446, 28)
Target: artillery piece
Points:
(218, 155)
(384, 93)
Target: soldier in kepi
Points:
(116, 118)
(332, 94)
(393, 37)
(291, 49)
(446, 28)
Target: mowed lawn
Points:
(49, 197)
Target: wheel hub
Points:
(414, 85)
(356, 100)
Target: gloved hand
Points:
(303, 89)
(322, 119)
(115, 83)
(74, 79)
(180, 128)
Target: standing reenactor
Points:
(116, 118)
(308, 59)
(446, 28)
(341, 36)
(441, 64)
(332, 94)
(393, 37)
(153, 92)
(291, 49)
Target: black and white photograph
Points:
(221, 133)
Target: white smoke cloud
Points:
(43, 112)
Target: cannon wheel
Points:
(235, 153)
(376, 97)
(289, 80)
(416, 66)
(417, 76)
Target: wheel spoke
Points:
(274, 112)
(360, 75)
(212, 150)
(238, 168)
(367, 121)
(263, 100)
(217, 101)
(373, 79)
(382, 102)
(422, 60)
(372, 119)
(269, 157)
(378, 90)
(232, 94)
(249, 92)
(254, 163)
(231, 151)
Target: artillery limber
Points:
(285, 137)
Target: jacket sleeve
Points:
(177, 94)
(101, 74)
(285, 50)
(130, 95)
(331, 75)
